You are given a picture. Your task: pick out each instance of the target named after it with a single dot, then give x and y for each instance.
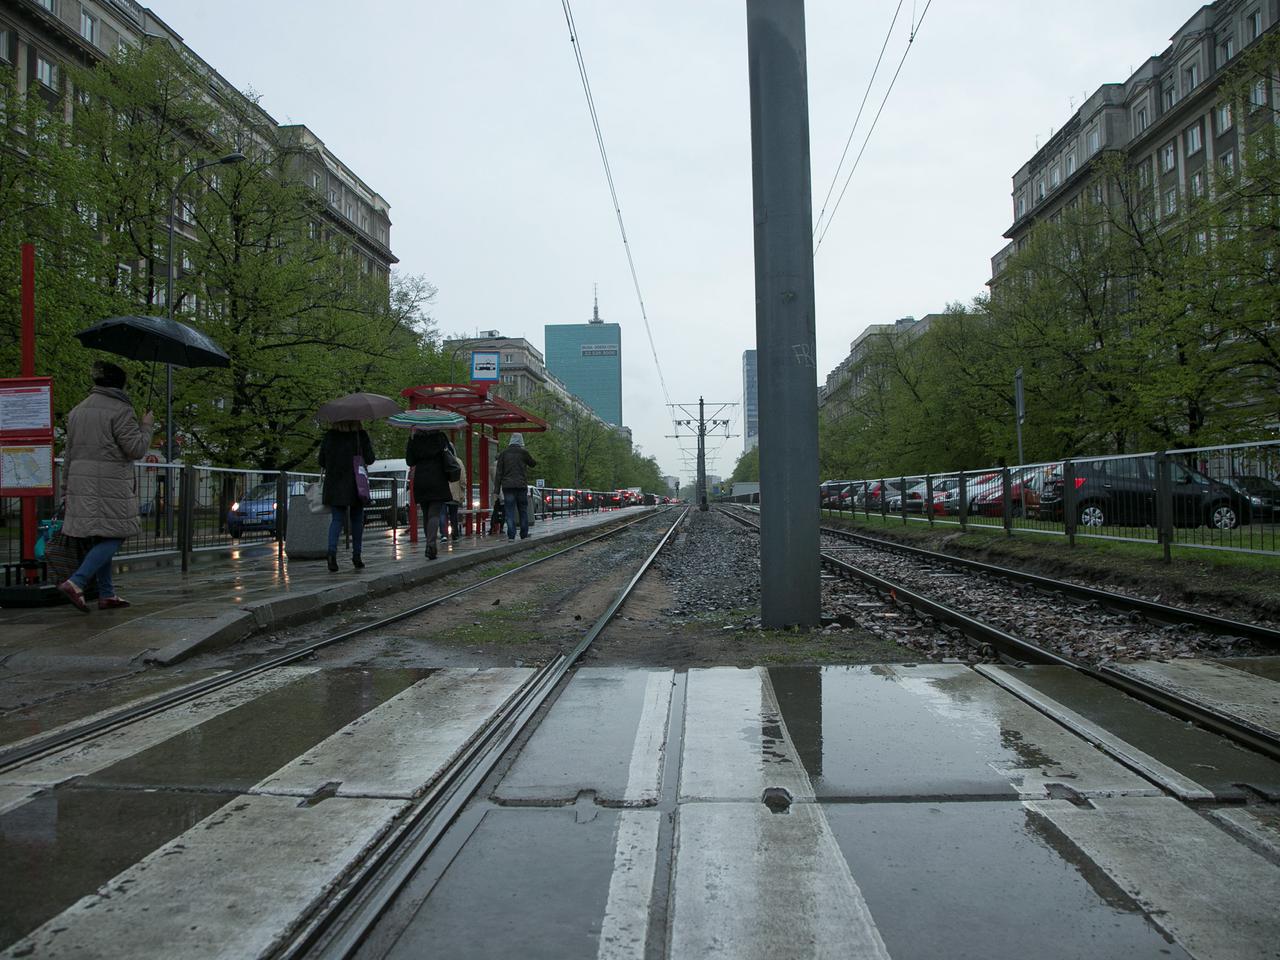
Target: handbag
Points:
(452, 465)
(315, 496)
(362, 477)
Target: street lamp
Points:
(235, 157)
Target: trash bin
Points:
(308, 536)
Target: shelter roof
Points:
(476, 404)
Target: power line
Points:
(835, 177)
(915, 29)
(613, 192)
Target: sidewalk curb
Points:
(296, 608)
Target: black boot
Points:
(357, 562)
(333, 563)
(431, 551)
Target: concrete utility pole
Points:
(787, 371)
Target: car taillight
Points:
(1079, 482)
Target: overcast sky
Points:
(468, 116)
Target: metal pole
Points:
(787, 386)
(28, 518)
(702, 455)
(1020, 410)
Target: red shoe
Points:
(74, 594)
(113, 603)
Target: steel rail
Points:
(59, 741)
(351, 913)
(1120, 601)
(1234, 728)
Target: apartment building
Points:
(838, 396)
(40, 38)
(1171, 121)
(750, 401)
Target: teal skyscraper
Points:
(587, 358)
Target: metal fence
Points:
(1224, 497)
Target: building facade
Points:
(839, 395)
(587, 358)
(1170, 121)
(750, 402)
(40, 38)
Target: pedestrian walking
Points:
(345, 454)
(99, 484)
(458, 491)
(513, 480)
(426, 454)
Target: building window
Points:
(1055, 176)
(4, 46)
(1197, 184)
(1039, 190)
(1194, 140)
(88, 27)
(1258, 93)
(1094, 140)
(1144, 174)
(1224, 118)
(1071, 163)
(1226, 49)
(1096, 194)
(1170, 95)
(1141, 119)
(124, 275)
(46, 73)
(1022, 207)
(333, 196)
(1171, 201)
(1190, 77)
(1168, 157)
(1227, 163)
(1252, 25)
(47, 4)
(313, 230)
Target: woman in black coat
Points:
(341, 444)
(425, 454)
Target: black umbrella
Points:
(357, 406)
(155, 339)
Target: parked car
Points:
(1025, 487)
(385, 478)
(256, 510)
(836, 494)
(559, 499)
(869, 496)
(1263, 494)
(1123, 492)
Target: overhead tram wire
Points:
(613, 192)
(835, 177)
(915, 30)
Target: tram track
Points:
(1000, 642)
(35, 749)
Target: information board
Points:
(26, 469)
(485, 366)
(26, 406)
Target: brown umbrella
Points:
(357, 406)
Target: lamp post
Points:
(236, 157)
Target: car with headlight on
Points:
(256, 510)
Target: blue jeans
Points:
(336, 515)
(97, 564)
(514, 498)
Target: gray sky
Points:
(469, 118)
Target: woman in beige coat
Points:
(99, 490)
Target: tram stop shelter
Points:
(487, 418)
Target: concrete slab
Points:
(1250, 698)
(547, 874)
(1211, 894)
(1256, 827)
(1189, 762)
(101, 752)
(182, 901)
(986, 881)
(750, 883)
(67, 842)
(605, 734)
(399, 748)
(735, 743)
(11, 797)
(236, 749)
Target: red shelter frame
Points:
(487, 416)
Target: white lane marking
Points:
(1177, 783)
(102, 751)
(402, 745)
(1210, 893)
(730, 750)
(625, 928)
(231, 886)
(755, 885)
(732, 860)
(644, 777)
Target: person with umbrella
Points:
(426, 452)
(99, 492)
(345, 453)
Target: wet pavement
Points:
(226, 596)
(889, 811)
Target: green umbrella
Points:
(426, 419)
